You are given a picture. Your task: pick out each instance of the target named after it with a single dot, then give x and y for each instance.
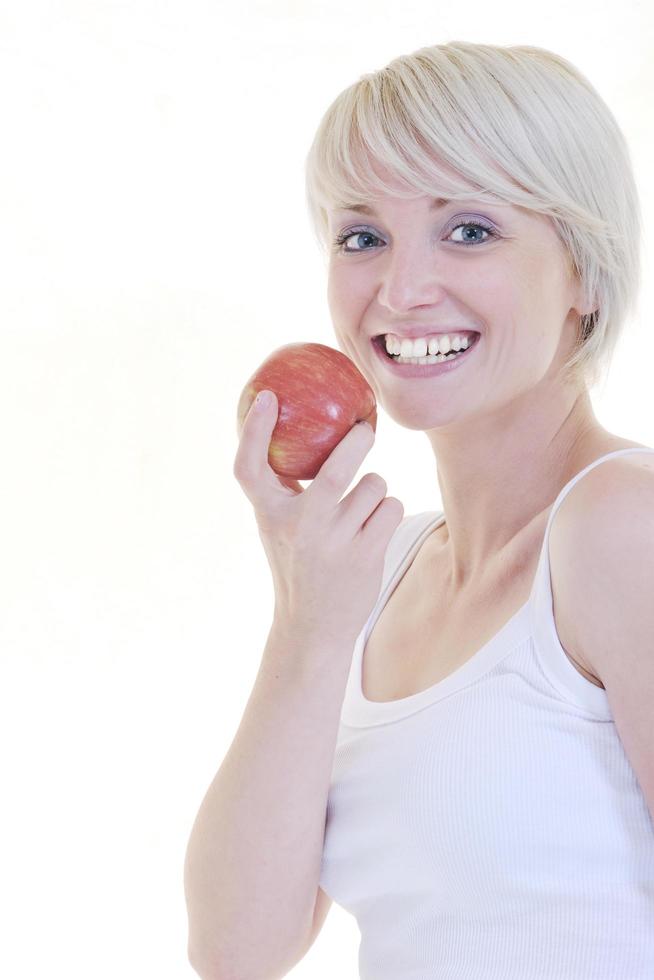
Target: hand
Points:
(326, 555)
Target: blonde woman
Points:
(450, 734)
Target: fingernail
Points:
(263, 399)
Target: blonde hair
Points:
(517, 124)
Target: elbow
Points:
(205, 969)
(211, 969)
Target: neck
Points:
(500, 474)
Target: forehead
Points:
(431, 205)
(435, 204)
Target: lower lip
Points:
(423, 370)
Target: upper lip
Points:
(414, 332)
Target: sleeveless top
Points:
(490, 827)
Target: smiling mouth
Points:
(380, 341)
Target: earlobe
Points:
(589, 309)
(581, 304)
(586, 307)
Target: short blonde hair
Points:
(521, 124)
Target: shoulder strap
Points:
(554, 661)
(575, 479)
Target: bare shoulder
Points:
(605, 570)
(601, 488)
(593, 540)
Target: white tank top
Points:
(490, 827)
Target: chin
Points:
(420, 418)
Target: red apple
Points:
(320, 393)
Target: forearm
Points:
(253, 860)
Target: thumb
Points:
(256, 423)
(267, 406)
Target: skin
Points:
(506, 432)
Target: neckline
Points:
(364, 710)
(359, 711)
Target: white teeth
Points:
(420, 346)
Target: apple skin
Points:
(320, 393)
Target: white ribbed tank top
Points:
(491, 826)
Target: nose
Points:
(411, 277)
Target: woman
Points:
(471, 709)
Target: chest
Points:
(418, 640)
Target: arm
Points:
(606, 568)
(253, 859)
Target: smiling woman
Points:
(453, 776)
(519, 125)
(487, 812)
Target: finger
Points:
(292, 484)
(383, 522)
(251, 466)
(340, 467)
(359, 504)
(254, 439)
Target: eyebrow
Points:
(436, 205)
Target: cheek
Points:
(335, 300)
(544, 280)
(516, 298)
(345, 292)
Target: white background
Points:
(154, 249)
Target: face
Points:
(409, 264)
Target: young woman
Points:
(450, 734)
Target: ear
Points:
(582, 305)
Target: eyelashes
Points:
(339, 241)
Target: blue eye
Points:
(474, 224)
(340, 241)
(359, 233)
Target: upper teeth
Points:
(420, 346)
